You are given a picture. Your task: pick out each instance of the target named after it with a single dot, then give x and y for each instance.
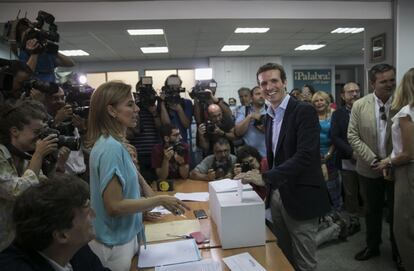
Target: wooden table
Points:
(269, 256)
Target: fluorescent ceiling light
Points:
(203, 74)
(309, 47)
(145, 31)
(234, 48)
(348, 30)
(154, 50)
(251, 30)
(73, 52)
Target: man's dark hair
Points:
(48, 207)
(310, 87)
(271, 66)
(243, 89)
(222, 141)
(245, 151)
(379, 68)
(17, 115)
(166, 130)
(253, 89)
(172, 75)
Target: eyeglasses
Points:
(382, 111)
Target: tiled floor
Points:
(340, 256)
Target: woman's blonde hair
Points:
(100, 122)
(405, 92)
(323, 95)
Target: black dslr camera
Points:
(78, 95)
(260, 121)
(172, 90)
(22, 30)
(221, 167)
(210, 127)
(145, 95)
(199, 90)
(179, 148)
(73, 143)
(245, 166)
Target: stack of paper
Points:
(169, 253)
(243, 262)
(204, 265)
(197, 196)
(170, 230)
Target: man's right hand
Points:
(168, 153)
(32, 46)
(46, 146)
(202, 129)
(211, 175)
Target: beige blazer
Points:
(362, 135)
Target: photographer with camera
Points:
(214, 128)
(171, 158)
(250, 121)
(145, 134)
(174, 109)
(250, 161)
(71, 126)
(13, 74)
(21, 129)
(216, 166)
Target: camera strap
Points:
(15, 151)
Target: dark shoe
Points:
(366, 254)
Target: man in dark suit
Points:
(345, 161)
(298, 194)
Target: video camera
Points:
(199, 90)
(145, 95)
(172, 89)
(20, 31)
(71, 142)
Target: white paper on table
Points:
(243, 262)
(226, 185)
(203, 265)
(182, 251)
(196, 196)
(161, 210)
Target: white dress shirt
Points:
(382, 125)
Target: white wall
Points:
(404, 37)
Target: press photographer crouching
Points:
(174, 109)
(250, 161)
(216, 166)
(215, 127)
(171, 158)
(63, 119)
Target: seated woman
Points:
(114, 179)
(20, 126)
(249, 159)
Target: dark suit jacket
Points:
(339, 135)
(296, 168)
(16, 258)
